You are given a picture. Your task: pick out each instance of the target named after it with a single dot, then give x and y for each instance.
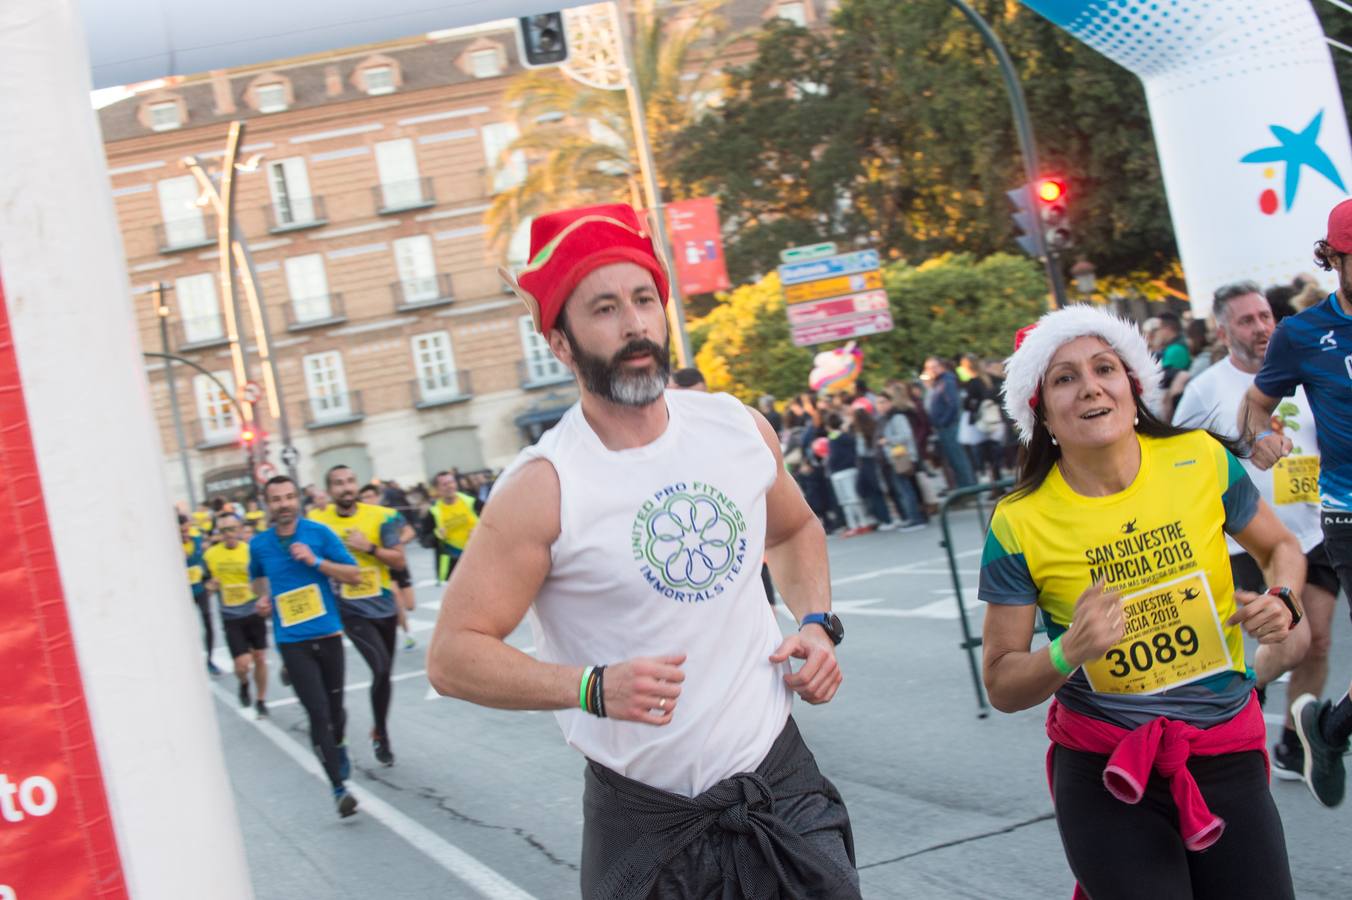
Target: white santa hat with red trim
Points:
(1035, 346)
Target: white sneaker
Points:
(890, 526)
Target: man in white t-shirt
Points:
(1245, 323)
(632, 536)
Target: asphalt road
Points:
(486, 803)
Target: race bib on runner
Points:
(194, 574)
(369, 586)
(236, 594)
(300, 605)
(1295, 479)
(1173, 637)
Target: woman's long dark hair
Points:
(1040, 455)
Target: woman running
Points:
(1115, 532)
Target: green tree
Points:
(579, 139)
(906, 140)
(950, 305)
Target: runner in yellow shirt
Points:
(449, 522)
(372, 534)
(246, 629)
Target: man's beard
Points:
(610, 379)
(1250, 353)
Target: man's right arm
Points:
(492, 587)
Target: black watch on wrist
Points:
(829, 622)
(1288, 596)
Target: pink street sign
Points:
(843, 328)
(822, 310)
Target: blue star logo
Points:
(1297, 150)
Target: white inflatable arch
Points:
(1248, 120)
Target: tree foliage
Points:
(894, 130)
(950, 305)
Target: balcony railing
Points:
(416, 293)
(187, 233)
(400, 196)
(441, 389)
(314, 312)
(296, 213)
(542, 373)
(333, 409)
(200, 332)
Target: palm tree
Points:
(579, 139)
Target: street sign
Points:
(263, 471)
(843, 328)
(836, 307)
(831, 266)
(697, 246)
(252, 393)
(807, 253)
(833, 287)
(290, 456)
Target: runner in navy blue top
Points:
(292, 564)
(1314, 350)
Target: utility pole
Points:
(1023, 126)
(162, 313)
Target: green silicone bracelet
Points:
(582, 689)
(1058, 658)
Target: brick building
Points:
(398, 348)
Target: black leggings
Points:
(316, 670)
(203, 602)
(374, 640)
(1117, 850)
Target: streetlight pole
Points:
(162, 313)
(1023, 125)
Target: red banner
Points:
(697, 246)
(56, 833)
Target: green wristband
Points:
(1058, 658)
(582, 689)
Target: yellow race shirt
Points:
(230, 569)
(1161, 543)
(373, 597)
(455, 521)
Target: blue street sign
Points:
(844, 264)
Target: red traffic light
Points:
(1050, 190)
(247, 435)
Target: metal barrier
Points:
(970, 643)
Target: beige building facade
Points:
(364, 179)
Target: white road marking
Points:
(483, 880)
(908, 568)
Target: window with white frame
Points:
(309, 287)
(214, 410)
(378, 80)
(542, 366)
(199, 309)
(486, 63)
(184, 225)
(165, 116)
(417, 267)
(289, 184)
(397, 165)
(435, 365)
(326, 386)
(271, 97)
(510, 170)
(794, 12)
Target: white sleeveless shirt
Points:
(659, 552)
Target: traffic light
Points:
(249, 437)
(541, 40)
(1050, 215)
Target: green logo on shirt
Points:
(690, 540)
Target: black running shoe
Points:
(346, 803)
(1288, 763)
(1323, 764)
(285, 676)
(262, 709)
(244, 694)
(381, 747)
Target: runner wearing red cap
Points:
(1313, 350)
(1114, 534)
(631, 535)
